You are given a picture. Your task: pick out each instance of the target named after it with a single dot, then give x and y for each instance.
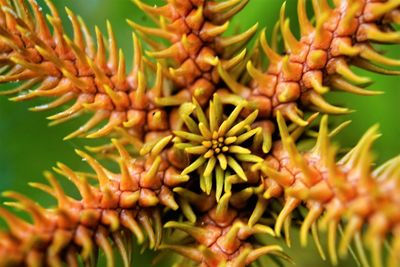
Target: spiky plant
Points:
(205, 138)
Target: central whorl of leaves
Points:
(211, 139)
(220, 143)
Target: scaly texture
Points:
(50, 64)
(347, 191)
(194, 29)
(123, 205)
(295, 81)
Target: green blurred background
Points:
(28, 146)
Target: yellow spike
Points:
(365, 64)
(137, 56)
(187, 210)
(339, 128)
(110, 217)
(237, 168)
(228, 64)
(43, 187)
(219, 183)
(222, 17)
(362, 257)
(223, 207)
(102, 241)
(117, 99)
(61, 197)
(317, 86)
(112, 47)
(394, 258)
(238, 198)
(147, 226)
(363, 146)
(198, 16)
(90, 46)
(160, 145)
(227, 124)
(210, 166)
(104, 181)
(291, 43)
(82, 185)
(78, 35)
(353, 226)
(314, 231)
(116, 119)
(238, 39)
(322, 145)
(283, 180)
(269, 52)
(374, 34)
(255, 73)
(121, 71)
(37, 212)
(343, 85)
(150, 178)
(305, 25)
(238, 128)
(140, 94)
(369, 53)
(150, 10)
(39, 69)
(24, 13)
(128, 221)
(25, 86)
(240, 260)
(152, 31)
(223, 162)
(169, 52)
(216, 30)
(256, 253)
(198, 233)
(194, 166)
(283, 130)
(222, 6)
(343, 69)
(319, 27)
(295, 134)
(348, 50)
(189, 136)
(55, 22)
(238, 150)
(292, 112)
(101, 60)
(74, 109)
(332, 232)
(320, 7)
(258, 211)
(290, 204)
(350, 13)
(98, 117)
(41, 27)
(156, 91)
(380, 9)
(56, 103)
(123, 249)
(314, 213)
(324, 106)
(286, 230)
(227, 242)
